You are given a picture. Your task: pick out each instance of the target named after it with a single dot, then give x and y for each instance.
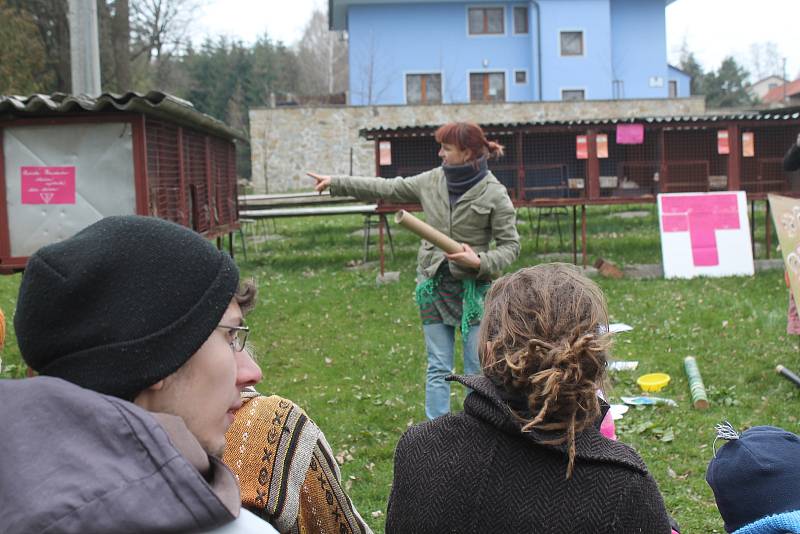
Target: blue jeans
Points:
(440, 343)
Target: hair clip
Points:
(726, 431)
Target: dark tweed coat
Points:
(476, 472)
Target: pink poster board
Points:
(705, 234)
(630, 134)
(48, 185)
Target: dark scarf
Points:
(460, 178)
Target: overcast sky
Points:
(712, 29)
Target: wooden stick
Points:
(696, 387)
(427, 232)
(783, 371)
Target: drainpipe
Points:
(535, 5)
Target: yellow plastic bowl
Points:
(653, 381)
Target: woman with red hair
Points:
(464, 200)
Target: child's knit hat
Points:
(122, 304)
(756, 480)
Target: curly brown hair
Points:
(544, 336)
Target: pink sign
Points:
(48, 185)
(701, 216)
(630, 134)
(385, 152)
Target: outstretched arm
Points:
(371, 188)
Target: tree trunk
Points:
(120, 38)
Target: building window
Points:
(573, 95)
(520, 19)
(572, 43)
(487, 87)
(673, 89)
(423, 88)
(486, 21)
(520, 76)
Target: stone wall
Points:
(288, 141)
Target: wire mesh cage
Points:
(691, 159)
(191, 177)
(551, 167)
(590, 163)
(628, 170)
(762, 168)
(163, 170)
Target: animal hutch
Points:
(616, 161)
(66, 162)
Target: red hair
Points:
(468, 136)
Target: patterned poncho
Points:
(286, 470)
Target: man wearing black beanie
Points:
(135, 326)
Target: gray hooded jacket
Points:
(77, 461)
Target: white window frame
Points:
(571, 30)
(514, 21)
(504, 72)
(527, 79)
(562, 89)
(418, 72)
(485, 6)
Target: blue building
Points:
(452, 51)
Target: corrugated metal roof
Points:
(157, 104)
(688, 120)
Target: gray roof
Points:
(681, 120)
(154, 104)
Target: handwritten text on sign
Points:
(48, 185)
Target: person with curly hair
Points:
(527, 455)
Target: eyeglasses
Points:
(239, 334)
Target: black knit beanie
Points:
(755, 478)
(122, 304)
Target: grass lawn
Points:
(351, 352)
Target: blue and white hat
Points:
(756, 480)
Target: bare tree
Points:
(765, 60)
(120, 41)
(322, 58)
(374, 75)
(114, 34)
(160, 27)
(159, 30)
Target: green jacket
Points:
(482, 214)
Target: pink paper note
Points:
(48, 185)
(701, 216)
(630, 134)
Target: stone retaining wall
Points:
(288, 141)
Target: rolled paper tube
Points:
(788, 375)
(427, 232)
(696, 387)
